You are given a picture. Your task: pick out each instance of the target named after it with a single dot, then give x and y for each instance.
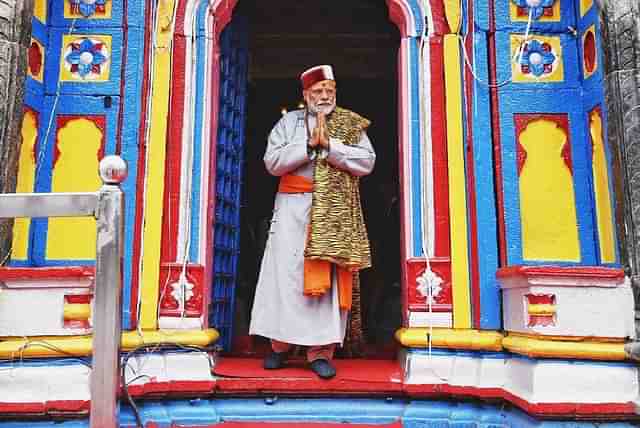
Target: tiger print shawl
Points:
(338, 233)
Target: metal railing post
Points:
(107, 311)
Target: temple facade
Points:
(497, 298)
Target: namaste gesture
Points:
(320, 134)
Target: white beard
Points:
(324, 109)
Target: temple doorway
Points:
(357, 38)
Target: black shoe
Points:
(323, 368)
(275, 360)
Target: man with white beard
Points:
(317, 241)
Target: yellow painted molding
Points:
(589, 350)
(76, 311)
(457, 185)
(569, 338)
(454, 14)
(81, 345)
(476, 340)
(541, 309)
(156, 155)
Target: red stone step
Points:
(354, 376)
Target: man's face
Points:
(321, 97)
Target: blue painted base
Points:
(413, 414)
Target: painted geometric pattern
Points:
(539, 10)
(87, 9)
(537, 60)
(85, 58)
(182, 294)
(541, 310)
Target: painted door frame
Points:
(197, 21)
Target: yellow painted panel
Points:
(601, 190)
(452, 10)
(76, 170)
(557, 75)
(25, 183)
(106, 15)
(585, 5)
(547, 199)
(457, 185)
(154, 192)
(66, 75)
(40, 10)
(553, 18)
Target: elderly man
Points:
(318, 241)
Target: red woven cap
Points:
(316, 74)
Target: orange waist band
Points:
(295, 184)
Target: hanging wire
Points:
(44, 142)
(429, 274)
(517, 56)
(53, 112)
(148, 350)
(156, 47)
(183, 280)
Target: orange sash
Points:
(295, 184)
(317, 273)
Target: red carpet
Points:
(359, 377)
(355, 370)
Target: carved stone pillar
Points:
(621, 19)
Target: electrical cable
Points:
(516, 57)
(44, 144)
(150, 349)
(429, 275)
(43, 344)
(51, 347)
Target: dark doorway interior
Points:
(356, 37)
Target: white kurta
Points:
(280, 309)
